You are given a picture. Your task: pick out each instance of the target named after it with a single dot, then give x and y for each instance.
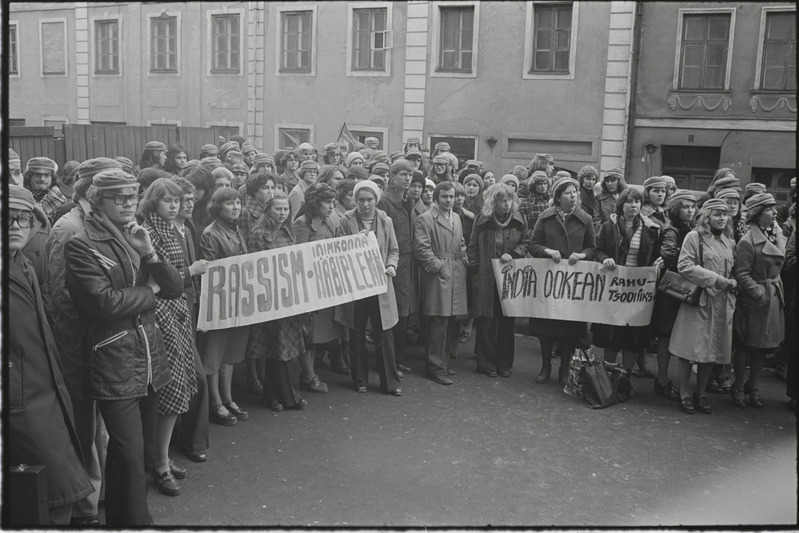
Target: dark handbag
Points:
(598, 390)
(681, 288)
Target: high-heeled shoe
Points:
(754, 397)
(737, 402)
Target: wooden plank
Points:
(31, 131)
(99, 141)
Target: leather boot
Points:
(546, 369)
(563, 370)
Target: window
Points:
(226, 44)
(296, 42)
(53, 37)
(360, 133)
(704, 51)
(13, 50)
(463, 146)
(551, 38)
(164, 44)
(369, 39)
(457, 39)
(56, 124)
(692, 167)
(290, 137)
(776, 180)
(778, 62)
(106, 47)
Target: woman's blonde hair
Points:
(496, 193)
(703, 222)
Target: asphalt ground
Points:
(491, 451)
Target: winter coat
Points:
(400, 209)
(590, 204)
(34, 250)
(441, 251)
(575, 235)
(383, 228)
(761, 307)
(483, 247)
(38, 414)
(123, 347)
(609, 243)
(703, 334)
(607, 206)
(68, 328)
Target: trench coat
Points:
(575, 235)
(483, 247)
(389, 251)
(607, 206)
(34, 250)
(760, 314)
(400, 209)
(703, 334)
(41, 428)
(441, 251)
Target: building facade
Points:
(500, 81)
(715, 87)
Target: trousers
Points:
(194, 422)
(496, 340)
(93, 438)
(442, 342)
(368, 309)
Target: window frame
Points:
(42, 74)
(429, 144)
(377, 130)
(764, 11)
(163, 121)
(435, 71)
(290, 125)
(178, 48)
(58, 118)
(595, 141)
(226, 124)
(294, 8)
(351, 8)
(529, 44)
(15, 25)
(732, 11)
(210, 14)
(93, 38)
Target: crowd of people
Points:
(107, 256)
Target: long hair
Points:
(625, 195)
(157, 190)
(266, 221)
(255, 182)
(221, 196)
(327, 172)
(622, 184)
(703, 223)
(498, 192)
(149, 158)
(171, 154)
(673, 208)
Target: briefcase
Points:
(28, 504)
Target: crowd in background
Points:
(107, 370)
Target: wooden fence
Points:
(85, 141)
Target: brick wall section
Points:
(615, 114)
(415, 70)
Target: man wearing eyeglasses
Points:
(39, 410)
(113, 273)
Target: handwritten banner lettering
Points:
(262, 286)
(584, 292)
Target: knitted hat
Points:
(393, 156)
(474, 177)
(682, 195)
(378, 179)
(560, 184)
(415, 154)
(519, 168)
(755, 186)
(418, 177)
(191, 164)
(309, 165)
(669, 180)
(248, 148)
(508, 178)
(92, 167)
(727, 193)
(155, 145)
(369, 185)
(352, 157)
(114, 178)
(654, 181)
(380, 166)
(260, 158)
(13, 157)
(715, 203)
(371, 140)
(758, 200)
(412, 140)
(319, 190)
(475, 163)
(20, 198)
(210, 162)
(614, 172)
(728, 182)
(429, 183)
(539, 175)
(127, 164)
(440, 159)
(70, 166)
(41, 163)
(234, 156)
(240, 167)
(546, 157)
(230, 145)
(332, 148)
(209, 149)
(443, 146)
(379, 155)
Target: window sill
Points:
(311, 72)
(527, 75)
(439, 73)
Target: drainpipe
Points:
(635, 52)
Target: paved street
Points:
(498, 451)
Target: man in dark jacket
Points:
(113, 274)
(41, 429)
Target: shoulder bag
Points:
(681, 288)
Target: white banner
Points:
(262, 286)
(584, 292)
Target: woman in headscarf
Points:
(561, 232)
(681, 211)
(760, 315)
(277, 341)
(702, 335)
(223, 348)
(314, 223)
(160, 205)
